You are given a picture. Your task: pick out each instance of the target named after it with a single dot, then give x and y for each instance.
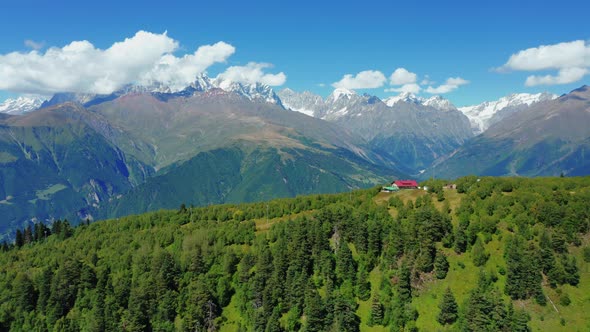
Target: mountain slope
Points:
(54, 165)
(546, 139)
(270, 152)
(248, 173)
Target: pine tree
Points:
(20, 239)
(517, 320)
(345, 318)
(314, 312)
(376, 317)
(441, 265)
(273, 324)
(460, 240)
(523, 278)
(448, 309)
(28, 234)
(44, 287)
(24, 292)
(546, 253)
(570, 266)
(363, 286)
(478, 253)
(404, 285)
(345, 264)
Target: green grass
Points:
(577, 314)
(45, 194)
(462, 280)
(231, 316)
(6, 158)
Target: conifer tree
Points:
(460, 240)
(448, 308)
(376, 317)
(441, 265)
(20, 239)
(24, 292)
(345, 264)
(314, 312)
(363, 286)
(547, 258)
(572, 276)
(478, 253)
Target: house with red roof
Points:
(406, 184)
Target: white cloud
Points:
(451, 84)
(252, 73)
(81, 67)
(402, 76)
(410, 88)
(177, 72)
(34, 45)
(426, 81)
(564, 76)
(368, 79)
(570, 59)
(557, 56)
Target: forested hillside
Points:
(495, 254)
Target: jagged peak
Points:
(340, 92)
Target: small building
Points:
(405, 184)
(450, 186)
(390, 189)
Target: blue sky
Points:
(316, 43)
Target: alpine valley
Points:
(144, 148)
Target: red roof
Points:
(406, 183)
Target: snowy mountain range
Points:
(436, 102)
(20, 105)
(482, 116)
(341, 102)
(413, 131)
(254, 92)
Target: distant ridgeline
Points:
(442, 259)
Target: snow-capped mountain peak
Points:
(20, 105)
(305, 102)
(341, 92)
(202, 83)
(439, 103)
(406, 97)
(482, 116)
(253, 91)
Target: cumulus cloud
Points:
(402, 76)
(251, 73)
(177, 72)
(557, 56)
(564, 76)
(34, 45)
(426, 80)
(451, 84)
(81, 67)
(406, 88)
(570, 59)
(368, 79)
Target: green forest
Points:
(494, 254)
